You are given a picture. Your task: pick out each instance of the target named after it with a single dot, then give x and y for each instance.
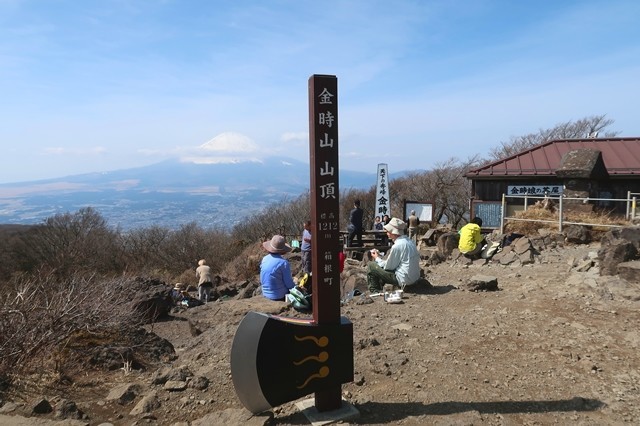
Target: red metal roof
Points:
(621, 156)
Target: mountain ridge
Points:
(169, 193)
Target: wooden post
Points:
(560, 213)
(325, 213)
(277, 359)
(503, 208)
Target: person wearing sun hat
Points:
(402, 264)
(275, 271)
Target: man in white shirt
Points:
(402, 264)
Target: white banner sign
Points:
(382, 192)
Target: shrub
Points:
(40, 315)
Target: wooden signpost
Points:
(277, 359)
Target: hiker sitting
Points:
(471, 239)
(402, 265)
(177, 293)
(181, 297)
(275, 271)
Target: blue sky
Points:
(92, 86)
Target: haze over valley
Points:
(170, 193)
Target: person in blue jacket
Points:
(275, 271)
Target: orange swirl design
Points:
(323, 357)
(321, 342)
(322, 373)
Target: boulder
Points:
(614, 252)
(481, 283)
(66, 409)
(247, 290)
(521, 245)
(578, 234)
(631, 234)
(630, 271)
(41, 406)
(146, 405)
(124, 393)
(447, 242)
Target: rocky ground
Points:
(556, 344)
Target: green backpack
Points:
(301, 302)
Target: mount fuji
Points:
(170, 193)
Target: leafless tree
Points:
(445, 185)
(284, 217)
(582, 128)
(367, 204)
(72, 242)
(145, 249)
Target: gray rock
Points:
(526, 258)
(166, 374)
(631, 234)
(521, 245)
(199, 383)
(447, 242)
(630, 271)
(481, 283)
(66, 409)
(508, 258)
(584, 265)
(578, 234)
(9, 407)
(613, 253)
(146, 405)
(124, 393)
(42, 406)
(175, 385)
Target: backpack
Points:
(300, 301)
(305, 283)
(490, 250)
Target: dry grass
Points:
(550, 217)
(246, 265)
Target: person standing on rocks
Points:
(205, 285)
(354, 227)
(305, 248)
(402, 264)
(413, 222)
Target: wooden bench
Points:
(370, 239)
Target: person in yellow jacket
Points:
(471, 240)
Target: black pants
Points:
(352, 235)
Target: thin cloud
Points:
(230, 142)
(58, 150)
(295, 137)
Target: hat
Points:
(276, 245)
(201, 262)
(395, 226)
(179, 286)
